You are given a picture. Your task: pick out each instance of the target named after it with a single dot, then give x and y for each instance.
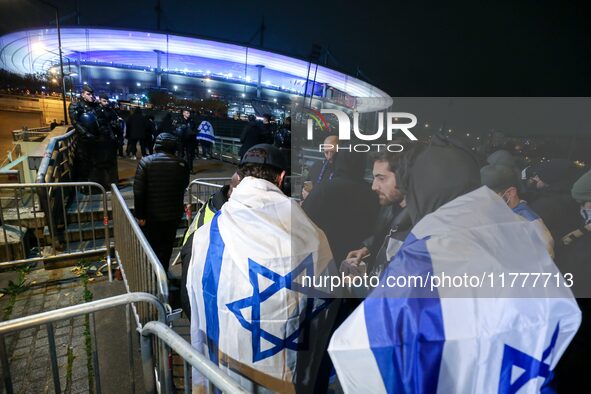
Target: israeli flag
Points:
(524, 211)
(413, 341)
(244, 307)
(206, 132)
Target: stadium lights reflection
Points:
(113, 47)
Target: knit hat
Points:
(498, 177)
(581, 190)
(165, 142)
(501, 157)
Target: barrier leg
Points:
(5, 366)
(147, 364)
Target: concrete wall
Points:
(16, 112)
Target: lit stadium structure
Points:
(129, 62)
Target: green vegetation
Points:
(70, 364)
(83, 267)
(15, 288)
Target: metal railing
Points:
(201, 188)
(48, 318)
(28, 134)
(190, 356)
(58, 163)
(226, 149)
(139, 264)
(44, 222)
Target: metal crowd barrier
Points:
(48, 318)
(139, 264)
(201, 188)
(41, 223)
(58, 163)
(226, 149)
(190, 356)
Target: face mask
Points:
(505, 199)
(586, 214)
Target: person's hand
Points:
(305, 194)
(353, 268)
(358, 254)
(141, 222)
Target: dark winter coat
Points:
(251, 136)
(136, 126)
(159, 187)
(345, 208)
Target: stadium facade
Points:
(126, 64)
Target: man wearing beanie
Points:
(158, 191)
(573, 256)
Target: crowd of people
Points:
(433, 207)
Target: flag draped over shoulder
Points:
(408, 340)
(240, 285)
(206, 132)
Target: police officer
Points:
(83, 118)
(186, 134)
(110, 133)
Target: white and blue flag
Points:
(206, 132)
(453, 340)
(523, 210)
(244, 307)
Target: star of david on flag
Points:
(279, 283)
(205, 127)
(516, 360)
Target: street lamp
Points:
(59, 45)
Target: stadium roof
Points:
(32, 51)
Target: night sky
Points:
(407, 48)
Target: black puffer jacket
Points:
(159, 187)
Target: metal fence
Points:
(201, 188)
(48, 318)
(190, 356)
(30, 134)
(52, 221)
(139, 264)
(226, 149)
(58, 163)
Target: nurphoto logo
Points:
(392, 119)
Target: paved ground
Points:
(28, 350)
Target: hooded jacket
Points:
(433, 175)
